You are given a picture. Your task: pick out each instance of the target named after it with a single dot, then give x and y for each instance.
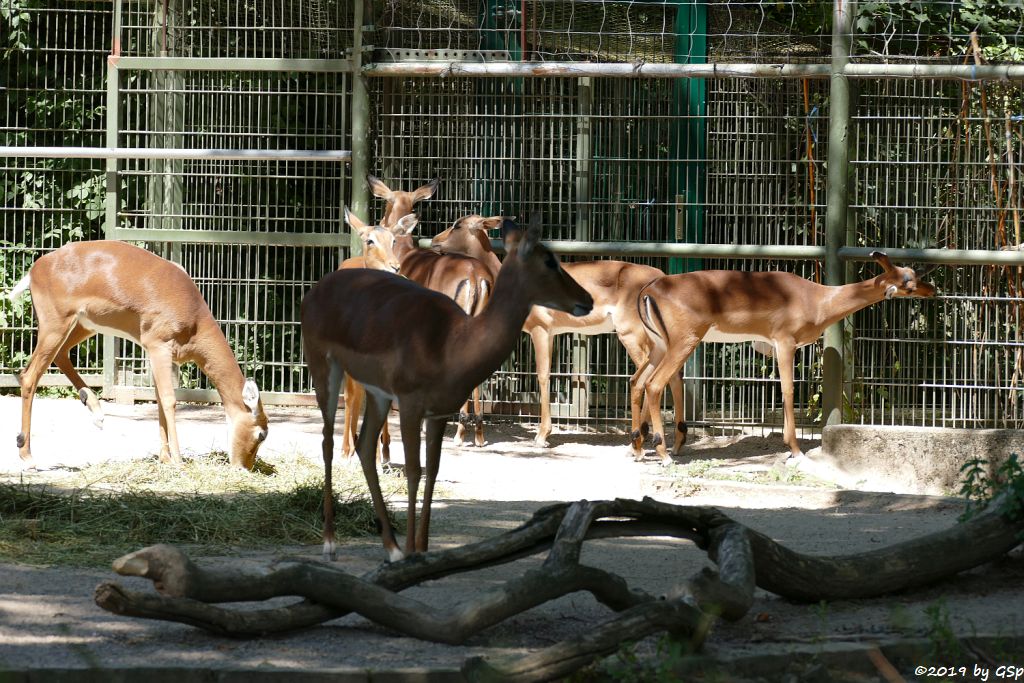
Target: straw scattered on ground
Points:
(87, 517)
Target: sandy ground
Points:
(48, 619)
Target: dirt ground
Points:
(48, 619)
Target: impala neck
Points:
(486, 340)
(211, 352)
(404, 245)
(847, 299)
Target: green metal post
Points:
(838, 199)
(360, 196)
(113, 198)
(690, 100)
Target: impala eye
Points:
(551, 262)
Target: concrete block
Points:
(913, 459)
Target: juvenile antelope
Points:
(85, 288)
(614, 286)
(779, 309)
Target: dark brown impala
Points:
(781, 310)
(415, 347)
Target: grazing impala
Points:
(415, 347)
(775, 308)
(85, 288)
(614, 286)
(465, 280)
(378, 254)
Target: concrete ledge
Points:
(912, 459)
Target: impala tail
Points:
(19, 289)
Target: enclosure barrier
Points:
(172, 59)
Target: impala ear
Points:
(533, 233)
(883, 261)
(494, 221)
(378, 188)
(356, 222)
(426, 191)
(511, 234)
(251, 395)
(405, 225)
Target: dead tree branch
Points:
(745, 558)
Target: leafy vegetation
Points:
(979, 488)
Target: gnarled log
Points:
(744, 557)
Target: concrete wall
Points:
(912, 459)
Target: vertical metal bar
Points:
(360, 196)
(838, 198)
(113, 198)
(580, 384)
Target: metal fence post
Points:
(580, 381)
(838, 199)
(359, 200)
(113, 198)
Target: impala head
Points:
(378, 243)
(900, 281)
(551, 285)
(468, 235)
(247, 429)
(399, 203)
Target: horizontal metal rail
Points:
(171, 153)
(442, 69)
(265, 239)
(978, 257)
(231, 64)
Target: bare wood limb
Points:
(570, 655)
(742, 555)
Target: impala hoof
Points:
(541, 441)
(395, 555)
(330, 552)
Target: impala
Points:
(415, 347)
(465, 280)
(614, 285)
(778, 309)
(85, 288)
(378, 254)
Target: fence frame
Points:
(835, 254)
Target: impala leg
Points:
(377, 407)
(478, 417)
(384, 454)
(638, 353)
(785, 354)
(326, 378)
(639, 409)
(163, 376)
(52, 333)
(435, 435)
(542, 343)
(410, 422)
(665, 368)
(354, 396)
(675, 384)
(63, 362)
(460, 425)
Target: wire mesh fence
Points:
(721, 161)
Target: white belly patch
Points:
(88, 324)
(717, 336)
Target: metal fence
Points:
(609, 149)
